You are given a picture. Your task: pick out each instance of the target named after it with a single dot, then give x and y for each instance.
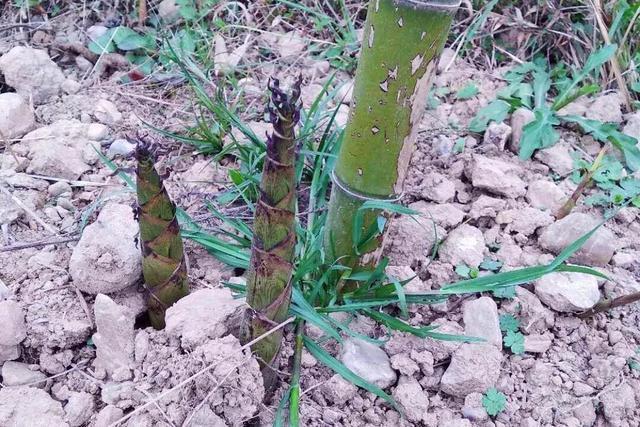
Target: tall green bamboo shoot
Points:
(163, 263)
(274, 238)
(402, 41)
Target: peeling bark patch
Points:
(384, 85)
(377, 5)
(375, 130)
(401, 22)
(416, 63)
(371, 36)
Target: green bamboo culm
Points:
(274, 238)
(163, 263)
(401, 44)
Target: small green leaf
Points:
(508, 322)
(458, 147)
(104, 43)
(515, 341)
(463, 271)
(539, 133)
(467, 92)
(635, 86)
(494, 401)
(491, 265)
(506, 293)
(496, 111)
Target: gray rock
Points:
(519, 119)
(446, 215)
(291, 45)
(71, 86)
(168, 11)
(524, 221)
(31, 73)
(486, 206)
(13, 330)
(106, 112)
(97, 131)
(437, 187)
(618, 403)
(497, 134)
(545, 195)
(473, 369)
(201, 316)
(9, 211)
(61, 150)
(497, 176)
(413, 237)
(606, 108)
(473, 408)
(29, 407)
(114, 338)
(79, 409)
(205, 417)
(338, 390)
(344, 93)
(402, 273)
(368, 361)
(58, 188)
(16, 117)
(16, 373)
(121, 147)
(108, 415)
(625, 259)
(568, 292)
(411, 398)
(481, 320)
(557, 157)
(106, 258)
(537, 343)
(632, 127)
(465, 244)
(598, 250)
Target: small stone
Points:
(106, 258)
(447, 57)
(497, 134)
(606, 109)
(58, 188)
(342, 116)
(168, 11)
(201, 316)
(106, 112)
(13, 330)
(625, 259)
(291, 44)
(109, 414)
(97, 131)
(545, 195)
(446, 215)
(618, 403)
(557, 157)
(402, 273)
(497, 177)
(473, 369)
(344, 94)
(519, 119)
(582, 389)
(122, 148)
(465, 244)
(79, 409)
(205, 417)
(94, 32)
(310, 93)
(29, 406)
(16, 373)
(404, 364)
(338, 390)
(438, 187)
(486, 206)
(598, 250)
(632, 127)
(524, 221)
(83, 64)
(473, 408)
(481, 320)
(537, 343)
(65, 204)
(114, 338)
(368, 361)
(16, 117)
(585, 413)
(31, 73)
(568, 292)
(411, 398)
(71, 86)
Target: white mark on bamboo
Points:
(377, 5)
(371, 36)
(384, 85)
(401, 22)
(375, 130)
(393, 74)
(360, 171)
(423, 35)
(416, 63)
